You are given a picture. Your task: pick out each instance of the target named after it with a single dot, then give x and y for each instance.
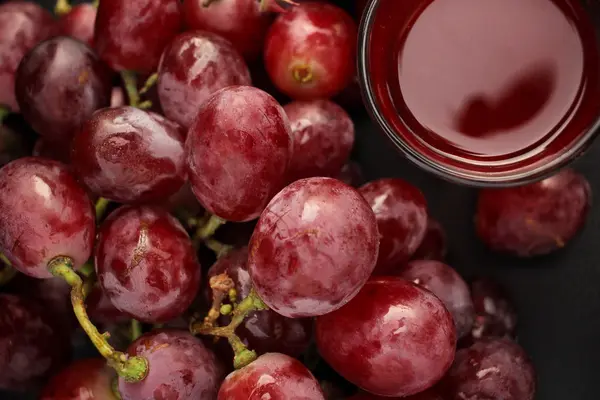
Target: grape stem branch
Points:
(62, 7)
(132, 369)
(7, 272)
(242, 355)
(206, 230)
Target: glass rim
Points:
(447, 172)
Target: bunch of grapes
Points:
(213, 244)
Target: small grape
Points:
(79, 23)
(83, 379)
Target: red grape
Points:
(264, 331)
(192, 68)
(131, 34)
(448, 286)
(314, 247)
(310, 51)
(100, 309)
(426, 395)
(43, 213)
(495, 315)
(146, 263)
(271, 376)
(238, 150)
(433, 246)
(401, 211)
(59, 84)
(117, 97)
(129, 155)
(79, 23)
(351, 174)
(84, 379)
(32, 345)
(535, 219)
(22, 25)
(393, 339)
(490, 369)
(180, 368)
(323, 137)
(239, 21)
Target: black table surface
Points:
(557, 296)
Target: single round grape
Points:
(44, 213)
(448, 286)
(193, 67)
(495, 316)
(434, 245)
(323, 137)
(263, 331)
(83, 379)
(351, 174)
(129, 155)
(32, 344)
(271, 376)
(79, 23)
(490, 369)
(132, 34)
(401, 211)
(535, 219)
(239, 21)
(180, 368)
(146, 263)
(59, 84)
(23, 24)
(393, 339)
(100, 309)
(426, 395)
(310, 51)
(238, 150)
(314, 247)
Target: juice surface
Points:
(490, 78)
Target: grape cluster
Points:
(213, 244)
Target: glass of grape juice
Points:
(484, 92)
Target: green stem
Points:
(101, 206)
(206, 230)
(62, 7)
(220, 249)
(132, 369)
(242, 356)
(151, 81)
(7, 273)
(4, 112)
(95, 3)
(130, 82)
(87, 269)
(136, 329)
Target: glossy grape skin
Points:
(32, 344)
(132, 34)
(23, 24)
(238, 150)
(323, 138)
(535, 219)
(43, 213)
(314, 247)
(263, 331)
(310, 51)
(146, 263)
(443, 281)
(180, 368)
(129, 155)
(393, 339)
(83, 379)
(495, 314)
(59, 84)
(401, 211)
(271, 376)
(194, 66)
(239, 21)
(79, 23)
(434, 245)
(490, 369)
(100, 309)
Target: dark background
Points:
(557, 296)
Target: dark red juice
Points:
(491, 82)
